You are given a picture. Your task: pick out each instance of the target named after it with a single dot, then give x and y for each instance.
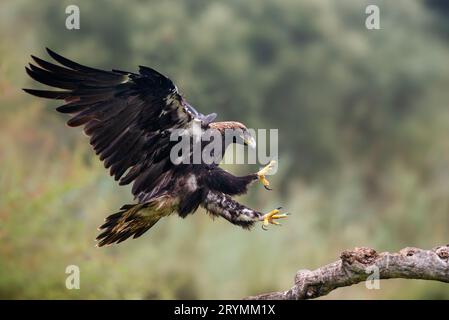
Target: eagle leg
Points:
(220, 204)
(263, 172)
(272, 216)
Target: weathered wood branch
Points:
(357, 265)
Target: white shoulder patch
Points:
(191, 183)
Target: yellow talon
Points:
(265, 182)
(264, 171)
(271, 216)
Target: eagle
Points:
(129, 118)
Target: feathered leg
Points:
(220, 180)
(220, 204)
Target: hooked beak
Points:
(250, 142)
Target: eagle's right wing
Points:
(128, 116)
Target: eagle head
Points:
(236, 130)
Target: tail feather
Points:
(132, 220)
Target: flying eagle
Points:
(128, 118)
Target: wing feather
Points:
(126, 115)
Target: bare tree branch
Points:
(357, 265)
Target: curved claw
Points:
(271, 216)
(263, 172)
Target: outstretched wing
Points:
(128, 116)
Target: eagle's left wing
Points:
(128, 116)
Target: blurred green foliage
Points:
(363, 121)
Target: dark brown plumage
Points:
(128, 118)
